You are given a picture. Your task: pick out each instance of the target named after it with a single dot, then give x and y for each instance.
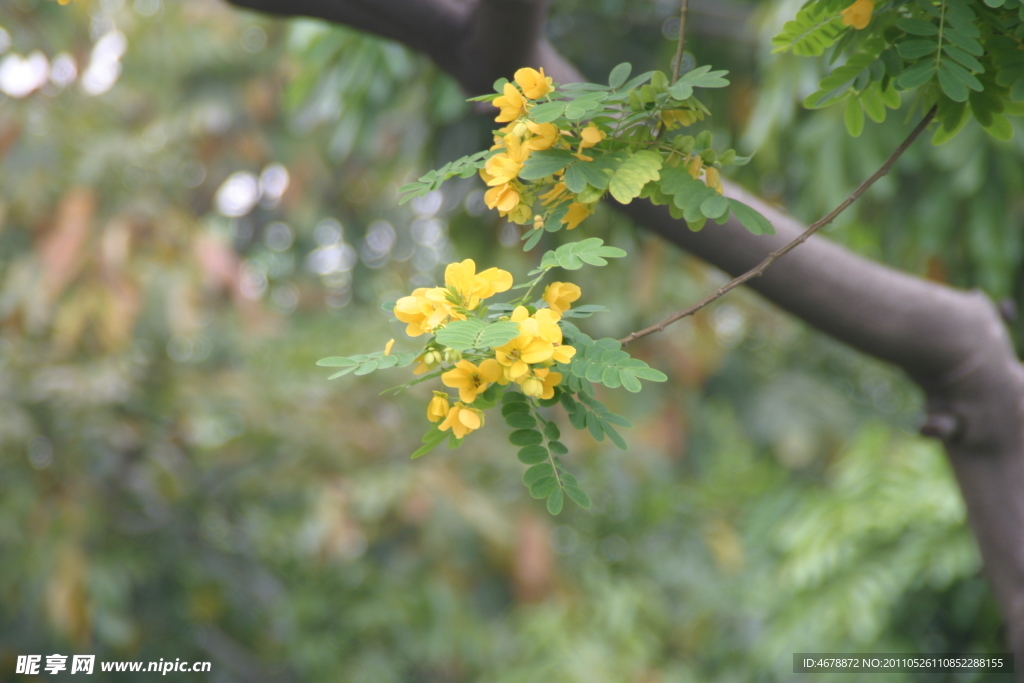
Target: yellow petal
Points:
(469, 418)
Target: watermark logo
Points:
(33, 665)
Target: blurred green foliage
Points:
(180, 481)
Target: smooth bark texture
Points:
(951, 342)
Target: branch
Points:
(430, 26)
(677, 61)
(759, 269)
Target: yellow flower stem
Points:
(525, 298)
(418, 380)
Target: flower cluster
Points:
(507, 193)
(525, 360)
(429, 308)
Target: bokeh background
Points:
(198, 202)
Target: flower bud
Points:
(521, 214)
(532, 387)
(432, 358)
(438, 407)
(452, 356)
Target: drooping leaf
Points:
(636, 171)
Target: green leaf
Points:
(1001, 128)
(751, 219)
(853, 117)
(703, 77)
(619, 75)
(532, 455)
(547, 112)
(584, 311)
(874, 105)
(630, 383)
(474, 333)
(511, 408)
(431, 440)
(538, 472)
(543, 488)
(715, 207)
(604, 362)
(544, 163)
(951, 85)
(551, 431)
(578, 496)
(573, 255)
(636, 171)
(917, 75)
(519, 420)
(615, 437)
(532, 238)
(510, 397)
(364, 364)
(915, 49)
(917, 27)
(961, 74)
(966, 60)
(555, 502)
(814, 29)
(558, 448)
(525, 437)
(681, 91)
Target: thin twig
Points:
(759, 269)
(677, 62)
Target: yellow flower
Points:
(542, 384)
(713, 179)
(590, 136)
(421, 311)
(502, 169)
(858, 15)
(522, 352)
(462, 420)
(438, 407)
(534, 83)
(543, 324)
(576, 214)
(469, 286)
(491, 281)
(64, 2)
(559, 296)
(425, 309)
(471, 380)
(387, 347)
(544, 135)
(504, 198)
(512, 104)
(563, 353)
